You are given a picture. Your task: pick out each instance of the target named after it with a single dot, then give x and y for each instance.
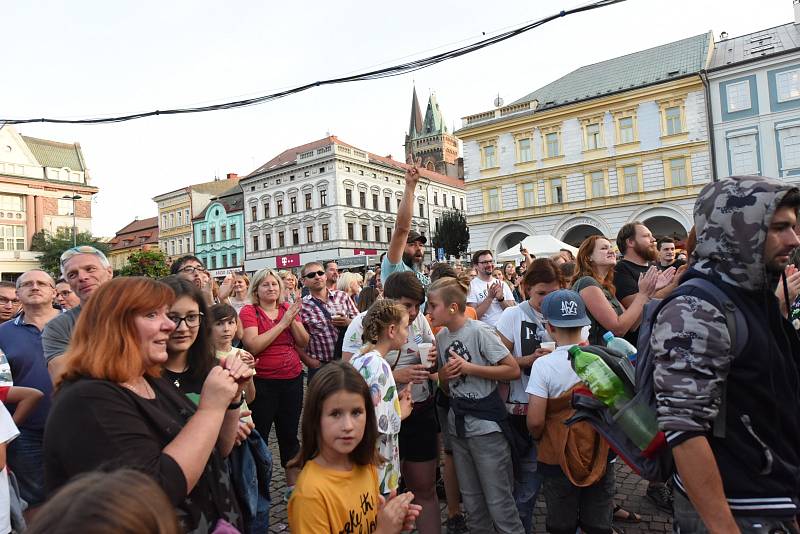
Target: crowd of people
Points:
(142, 405)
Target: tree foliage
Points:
(452, 234)
(53, 245)
(150, 263)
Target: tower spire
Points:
(415, 123)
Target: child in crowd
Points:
(385, 330)
(522, 331)
(578, 482)
(472, 360)
(224, 324)
(337, 490)
(99, 503)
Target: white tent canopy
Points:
(541, 246)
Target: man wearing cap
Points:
(85, 269)
(407, 247)
(582, 496)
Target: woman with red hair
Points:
(113, 410)
(594, 282)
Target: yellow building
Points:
(610, 143)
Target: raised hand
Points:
(665, 278)
(412, 174)
(647, 282)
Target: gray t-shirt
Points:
(478, 343)
(58, 332)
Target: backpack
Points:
(654, 463)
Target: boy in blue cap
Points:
(578, 483)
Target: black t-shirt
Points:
(626, 281)
(676, 264)
(96, 424)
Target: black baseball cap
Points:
(414, 236)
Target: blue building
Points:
(754, 85)
(219, 233)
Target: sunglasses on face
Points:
(314, 274)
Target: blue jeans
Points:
(25, 459)
(526, 488)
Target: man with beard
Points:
(332, 274)
(737, 472)
(638, 248)
(407, 247)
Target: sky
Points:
(82, 58)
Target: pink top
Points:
(280, 359)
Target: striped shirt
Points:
(322, 333)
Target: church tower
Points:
(429, 139)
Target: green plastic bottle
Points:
(605, 385)
(637, 421)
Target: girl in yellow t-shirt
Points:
(337, 490)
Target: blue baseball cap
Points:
(565, 308)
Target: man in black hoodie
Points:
(749, 480)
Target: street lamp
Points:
(73, 198)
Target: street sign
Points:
(289, 260)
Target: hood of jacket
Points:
(731, 220)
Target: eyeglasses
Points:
(485, 262)
(6, 302)
(191, 269)
(192, 320)
(38, 283)
(65, 293)
(314, 274)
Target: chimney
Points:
(232, 176)
(796, 11)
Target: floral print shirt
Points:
(378, 375)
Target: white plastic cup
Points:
(548, 345)
(424, 350)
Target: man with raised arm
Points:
(407, 247)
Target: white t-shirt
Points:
(478, 289)
(419, 331)
(516, 326)
(8, 431)
(552, 375)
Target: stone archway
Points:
(665, 226)
(510, 240)
(575, 235)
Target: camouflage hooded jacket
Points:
(691, 348)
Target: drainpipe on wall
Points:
(710, 123)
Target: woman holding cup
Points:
(521, 329)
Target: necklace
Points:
(148, 392)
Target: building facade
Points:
(618, 141)
(139, 234)
(754, 87)
(219, 233)
(429, 140)
(176, 210)
(44, 185)
(330, 200)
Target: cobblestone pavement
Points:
(630, 494)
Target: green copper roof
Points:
(433, 124)
(646, 67)
(55, 154)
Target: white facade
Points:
(332, 201)
(755, 100)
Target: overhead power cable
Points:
(395, 70)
